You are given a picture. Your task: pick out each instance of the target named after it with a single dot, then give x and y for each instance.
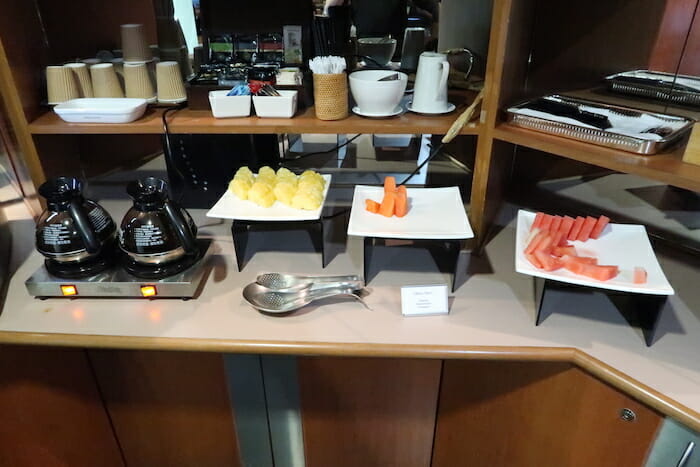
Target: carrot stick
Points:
(401, 204)
(389, 184)
(386, 209)
(372, 206)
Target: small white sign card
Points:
(420, 300)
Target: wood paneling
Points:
(168, 408)
(690, 61)
(674, 28)
(576, 44)
(79, 28)
(50, 410)
(369, 412)
(536, 414)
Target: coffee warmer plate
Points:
(117, 283)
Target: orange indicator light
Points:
(69, 290)
(149, 290)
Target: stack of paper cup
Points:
(82, 78)
(134, 45)
(137, 81)
(61, 85)
(169, 83)
(104, 81)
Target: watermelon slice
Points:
(600, 273)
(576, 228)
(534, 243)
(564, 251)
(546, 244)
(538, 220)
(533, 260)
(579, 259)
(556, 224)
(566, 224)
(549, 263)
(586, 229)
(546, 223)
(640, 275)
(599, 226)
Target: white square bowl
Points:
(282, 106)
(223, 106)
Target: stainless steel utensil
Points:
(391, 77)
(273, 301)
(291, 282)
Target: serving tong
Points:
(282, 293)
(293, 283)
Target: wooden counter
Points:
(492, 316)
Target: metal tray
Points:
(652, 91)
(606, 138)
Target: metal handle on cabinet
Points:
(686, 454)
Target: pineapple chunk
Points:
(284, 192)
(307, 200)
(269, 180)
(244, 173)
(283, 172)
(310, 183)
(266, 171)
(261, 194)
(240, 187)
(311, 175)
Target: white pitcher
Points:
(430, 89)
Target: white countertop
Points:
(493, 308)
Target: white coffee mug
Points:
(430, 89)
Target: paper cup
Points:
(169, 83)
(61, 85)
(134, 45)
(104, 81)
(137, 82)
(179, 55)
(82, 78)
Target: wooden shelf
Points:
(665, 167)
(201, 121)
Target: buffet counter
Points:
(491, 315)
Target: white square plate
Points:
(231, 206)
(433, 213)
(622, 245)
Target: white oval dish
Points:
(101, 110)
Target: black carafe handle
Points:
(83, 226)
(181, 228)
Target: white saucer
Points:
(397, 111)
(450, 108)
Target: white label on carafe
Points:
(148, 235)
(98, 219)
(56, 234)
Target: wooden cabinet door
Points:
(536, 414)
(368, 412)
(168, 408)
(50, 410)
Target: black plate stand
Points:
(240, 230)
(642, 310)
(455, 246)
